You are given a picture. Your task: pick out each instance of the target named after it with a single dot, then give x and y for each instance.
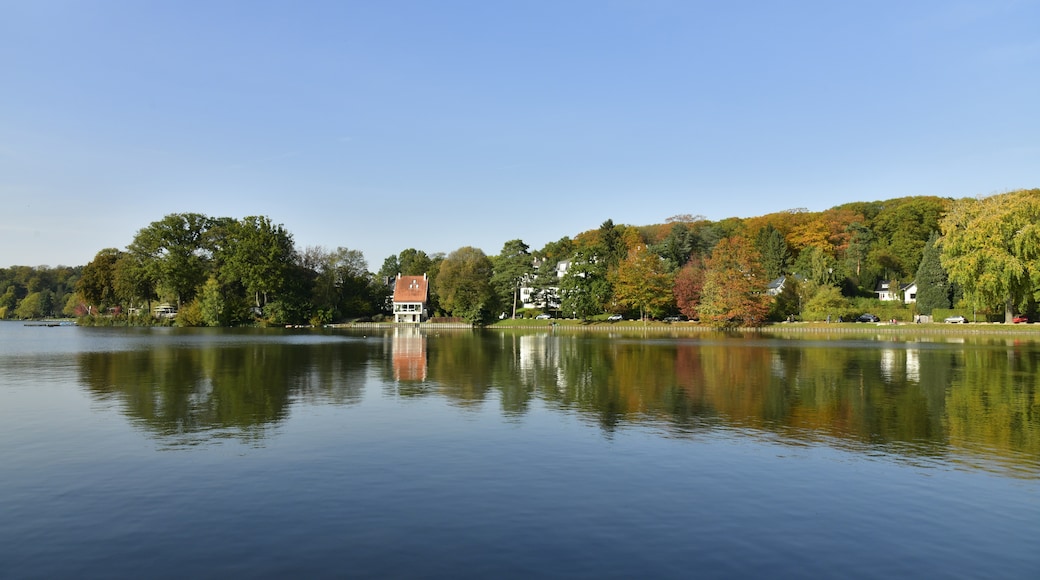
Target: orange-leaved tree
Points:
(734, 286)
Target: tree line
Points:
(981, 254)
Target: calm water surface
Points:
(320, 453)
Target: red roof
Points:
(411, 289)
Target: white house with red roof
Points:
(411, 297)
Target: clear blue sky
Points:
(388, 124)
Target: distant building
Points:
(910, 293)
(775, 287)
(887, 290)
(544, 298)
(411, 298)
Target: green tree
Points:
(642, 282)
(818, 266)
(825, 301)
(257, 254)
(512, 266)
(734, 286)
(584, 289)
(991, 248)
(464, 285)
(414, 262)
(172, 253)
(213, 307)
(677, 246)
(773, 249)
(97, 283)
(901, 229)
(35, 305)
(131, 282)
(933, 285)
(611, 244)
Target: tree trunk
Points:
(1009, 310)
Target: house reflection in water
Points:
(409, 354)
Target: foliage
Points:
(35, 305)
(788, 302)
(464, 284)
(190, 315)
(677, 246)
(818, 266)
(256, 254)
(734, 286)
(642, 282)
(584, 289)
(933, 285)
(991, 247)
(97, 282)
(173, 254)
(827, 301)
(689, 284)
(513, 265)
(901, 229)
(772, 247)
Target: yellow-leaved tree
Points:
(991, 248)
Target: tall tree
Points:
(584, 289)
(933, 285)
(172, 253)
(97, 283)
(734, 286)
(677, 246)
(689, 285)
(258, 254)
(772, 247)
(512, 266)
(991, 248)
(611, 242)
(642, 282)
(414, 262)
(464, 284)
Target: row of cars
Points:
(958, 319)
(1020, 319)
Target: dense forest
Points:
(980, 255)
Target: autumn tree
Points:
(642, 282)
(991, 248)
(734, 286)
(688, 286)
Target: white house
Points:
(411, 297)
(887, 290)
(910, 293)
(547, 297)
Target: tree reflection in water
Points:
(919, 400)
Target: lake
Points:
(401, 453)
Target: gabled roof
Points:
(411, 288)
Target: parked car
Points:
(868, 318)
(673, 319)
(542, 317)
(1020, 319)
(955, 319)
(615, 317)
